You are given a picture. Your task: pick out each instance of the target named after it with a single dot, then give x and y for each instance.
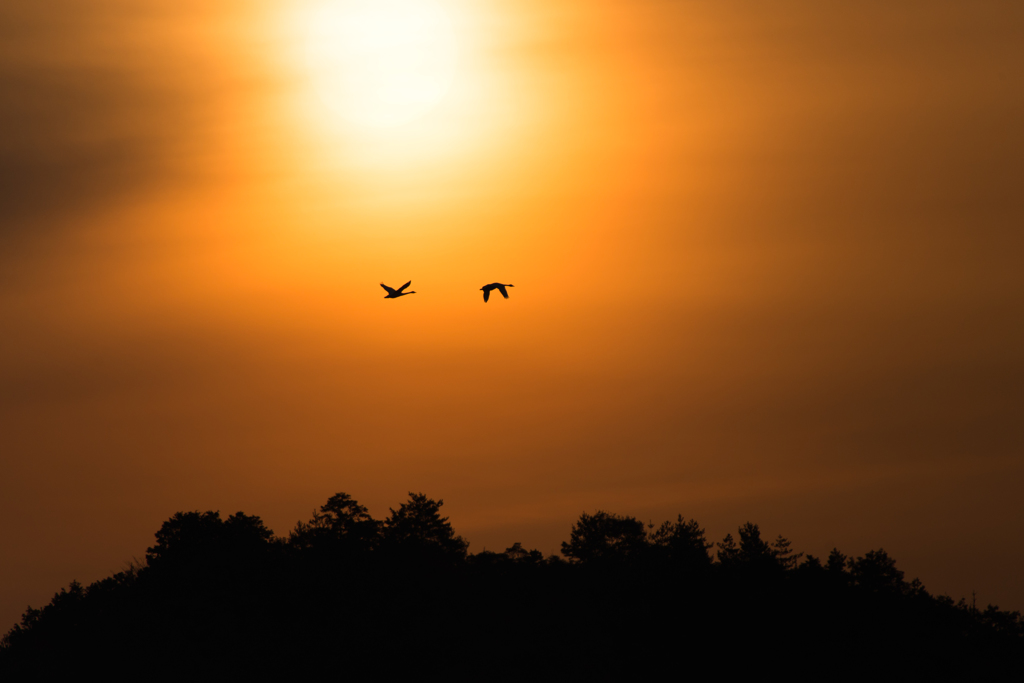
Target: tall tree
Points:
(203, 537)
(341, 523)
(783, 553)
(603, 536)
(754, 551)
(728, 552)
(877, 572)
(682, 543)
(836, 563)
(418, 526)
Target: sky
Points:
(765, 256)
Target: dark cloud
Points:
(94, 110)
(65, 152)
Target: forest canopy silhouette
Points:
(223, 596)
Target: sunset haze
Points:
(766, 260)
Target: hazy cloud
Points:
(97, 104)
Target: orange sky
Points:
(765, 262)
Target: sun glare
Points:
(381, 63)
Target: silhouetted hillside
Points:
(353, 595)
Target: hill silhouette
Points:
(353, 596)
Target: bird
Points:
(486, 289)
(395, 293)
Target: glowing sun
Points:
(381, 62)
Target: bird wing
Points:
(487, 294)
(501, 288)
(388, 289)
(404, 286)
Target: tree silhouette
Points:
(836, 562)
(877, 572)
(341, 524)
(417, 526)
(605, 537)
(753, 554)
(784, 555)
(199, 538)
(728, 552)
(517, 553)
(226, 598)
(754, 551)
(682, 544)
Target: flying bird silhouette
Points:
(494, 285)
(395, 293)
